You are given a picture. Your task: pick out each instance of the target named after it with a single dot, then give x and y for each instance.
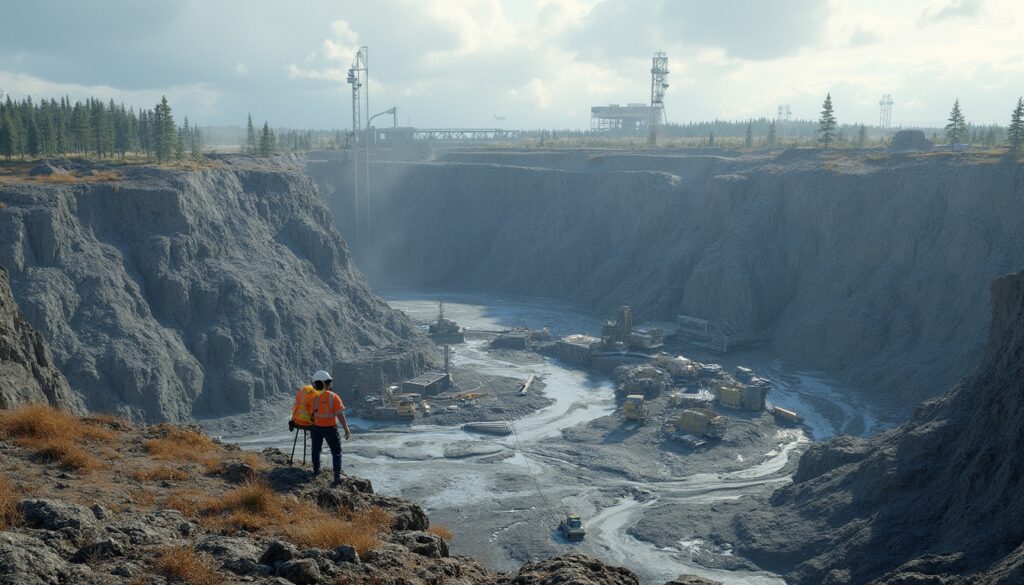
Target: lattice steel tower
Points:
(885, 111)
(659, 83)
(357, 78)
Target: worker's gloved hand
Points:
(291, 426)
(347, 434)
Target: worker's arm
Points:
(344, 425)
(341, 415)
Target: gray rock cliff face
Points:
(170, 294)
(874, 270)
(937, 500)
(27, 371)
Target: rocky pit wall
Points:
(872, 267)
(168, 294)
(27, 371)
(938, 500)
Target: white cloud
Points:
(947, 9)
(241, 69)
(339, 48)
(539, 93)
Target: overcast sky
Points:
(461, 63)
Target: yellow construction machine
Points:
(635, 408)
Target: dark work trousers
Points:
(329, 434)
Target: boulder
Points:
(575, 568)
(229, 548)
(59, 515)
(25, 560)
(422, 543)
(345, 554)
(300, 571)
(100, 550)
(278, 552)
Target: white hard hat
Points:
(321, 376)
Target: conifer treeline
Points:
(47, 128)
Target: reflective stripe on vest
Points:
(324, 414)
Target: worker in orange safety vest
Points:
(318, 409)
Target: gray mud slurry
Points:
(502, 495)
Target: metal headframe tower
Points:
(785, 112)
(885, 111)
(659, 83)
(358, 78)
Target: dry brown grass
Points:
(256, 507)
(443, 531)
(360, 530)
(64, 452)
(41, 421)
(253, 506)
(188, 566)
(142, 498)
(54, 435)
(9, 514)
(161, 473)
(187, 501)
(183, 445)
(327, 532)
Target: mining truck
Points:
(702, 422)
(572, 527)
(635, 407)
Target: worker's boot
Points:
(336, 462)
(316, 464)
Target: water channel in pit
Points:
(488, 489)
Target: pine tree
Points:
(33, 139)
(163, 130)
(7, 134)
(179, 144)
(196, 143)
(250, 140)
(711, 138)
(990, 136)
(862, 136)
(956, 129)
(1015, 132)
(266, 141)
(81, 128)
(748, 141)
(827, 122)
(771, 139)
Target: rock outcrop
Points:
(937, 500)
(872, 267)
(27, 370)
(167, 294)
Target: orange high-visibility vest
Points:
(326, 408)
(302, 412)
